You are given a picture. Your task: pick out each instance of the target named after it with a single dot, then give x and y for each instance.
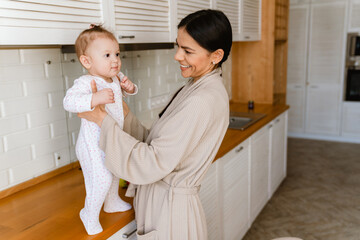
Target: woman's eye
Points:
(187, 52)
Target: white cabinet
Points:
(239, 184)
(297, 65)
(234, 182)
(354, 16)
(351, 120)
(316, 65)
(209, 195)
(46, 22)
(259, 170)
(278, 143)
(128, 232)
(250, 20)
(137, 21)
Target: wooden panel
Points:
(281, 19)
(280, 72)
(253, 62)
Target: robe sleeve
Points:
(133, 127)
(141, 163)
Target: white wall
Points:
(34, 128)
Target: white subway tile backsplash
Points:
(31, 56)
(57, 98)
(59, 128)
(51, 145)
(25, 105)
(62, 157)
(47, 116)
(10, 90)
(72, 69)
(22, 72)
(4, 179)
(12, 124)
(74, 124)
(9, 57)
(15, 157)
(53, 70)
(1, 145)
(23, 138)
(73, 157)
(45, 86)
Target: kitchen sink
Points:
(243, 120)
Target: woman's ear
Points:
(85, 61)
(217, 56)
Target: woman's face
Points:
(195, 61)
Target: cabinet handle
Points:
(239, 149)
(277, 120)
(270, 126)
(127, 235)
(314, 86)
(247, 37)
(126, 36)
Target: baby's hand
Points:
(104, 96)
(127, 85)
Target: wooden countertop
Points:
(50, 210)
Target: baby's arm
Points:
(79, 98)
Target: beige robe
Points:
(167, 163)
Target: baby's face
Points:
(105, 60)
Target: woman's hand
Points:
(125, 109)
(98, 114)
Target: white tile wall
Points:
(32, 120)
(36, 134)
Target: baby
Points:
(98, 51)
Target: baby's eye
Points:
(107, 55)
(118, 54)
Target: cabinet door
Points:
(129, 230)
(326, 46)
(278, 152)
(297, 44)
(354, 16)
(250, 20)
(209, 195)
(46, 22)
(231, 8)
(351, 119)
(140, 21)
(323, 109)
(185, 7)
(259, 171)
(234, 182)
(326, 60)
(296, 99)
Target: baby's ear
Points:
(85, 61)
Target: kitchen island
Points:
(50, 209)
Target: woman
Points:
(167, 163)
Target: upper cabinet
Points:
(40, 22)
(136, 21)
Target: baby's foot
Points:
(115, 204)
(92, 226)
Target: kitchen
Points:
(31, 100)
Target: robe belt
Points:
(178, 190)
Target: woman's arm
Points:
(143, 163)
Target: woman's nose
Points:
(178, 56)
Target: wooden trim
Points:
(37, 180)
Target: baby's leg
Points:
(97, 183)
(113, 202)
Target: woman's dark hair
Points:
(211, 29)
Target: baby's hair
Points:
(89, 35)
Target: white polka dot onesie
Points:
(100, 184)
